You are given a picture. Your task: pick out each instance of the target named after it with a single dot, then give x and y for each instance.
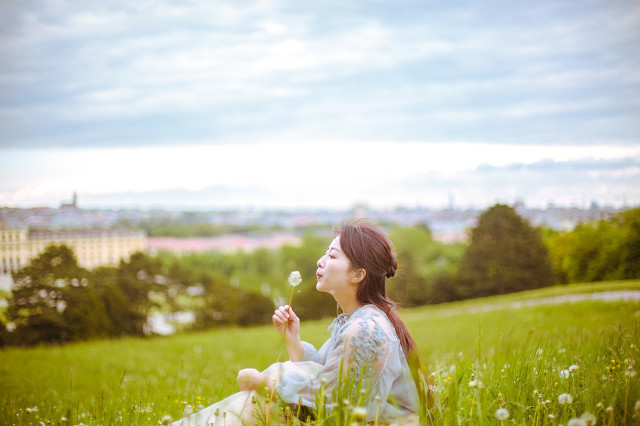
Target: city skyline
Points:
(268, 105)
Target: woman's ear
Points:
(358, 275)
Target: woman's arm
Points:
(288, 323)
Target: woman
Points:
(368, 348)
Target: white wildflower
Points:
(565, 398)
(295, 278)
(576, 422)
(502, 414)
(631, 372)
(564, 374)
(588, 418)
(166, 419)
(359, 413)
(573, 368)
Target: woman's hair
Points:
(368, 248)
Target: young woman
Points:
(368, 349)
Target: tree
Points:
(43, 291)
(136, 279)
(426, 268)
(506, 254)
(604, 249)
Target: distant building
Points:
(95, 247)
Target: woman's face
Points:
(334, 271)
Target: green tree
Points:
(426, 268)
(506, 254)
(137, 279)
(43, 292)
(604, 249)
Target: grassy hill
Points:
(481, 355)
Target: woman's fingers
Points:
(281, 315)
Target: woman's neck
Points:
(348, 303)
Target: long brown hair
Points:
(368, 248)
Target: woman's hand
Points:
(285, 315)
(251, 379)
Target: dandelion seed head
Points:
(359, 413)
(630, 372)
(573, 368)
(576, 422)
(564, 374)
(502, 414)
(565, 398)
(588, 418)
(295, 278)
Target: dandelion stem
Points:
(284, 333)
(626, 402)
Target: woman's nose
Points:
(320, 262)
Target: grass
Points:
(507, 353)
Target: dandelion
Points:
(473, 384)
(576, 422)
(502, 414)
(565, 398)
(188, 410)
(588, 418)
(166, 419)
(359, 413)
(294, 279)
(573, 368)
(564, 374)
(630, 372)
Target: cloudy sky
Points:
(285, 104)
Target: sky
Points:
(302, 105)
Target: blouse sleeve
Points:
(361, 348)
(311, 353)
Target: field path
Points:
(606, 296)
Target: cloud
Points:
(120, 74)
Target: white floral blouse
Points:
(366, 343)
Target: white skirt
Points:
(239, 409)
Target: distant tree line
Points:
(54, 300)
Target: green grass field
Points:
(481, 355)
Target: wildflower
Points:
(576, 422)
(188, 410)
(609, 410)
(359, 413)
(573, 368)
(564, 374)
(295, 278)
(539, 351)
(588, 418)
(565, 398)
(551, 417)
(166, 419)
(630, 372)
(502, 414)
(473, 384)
